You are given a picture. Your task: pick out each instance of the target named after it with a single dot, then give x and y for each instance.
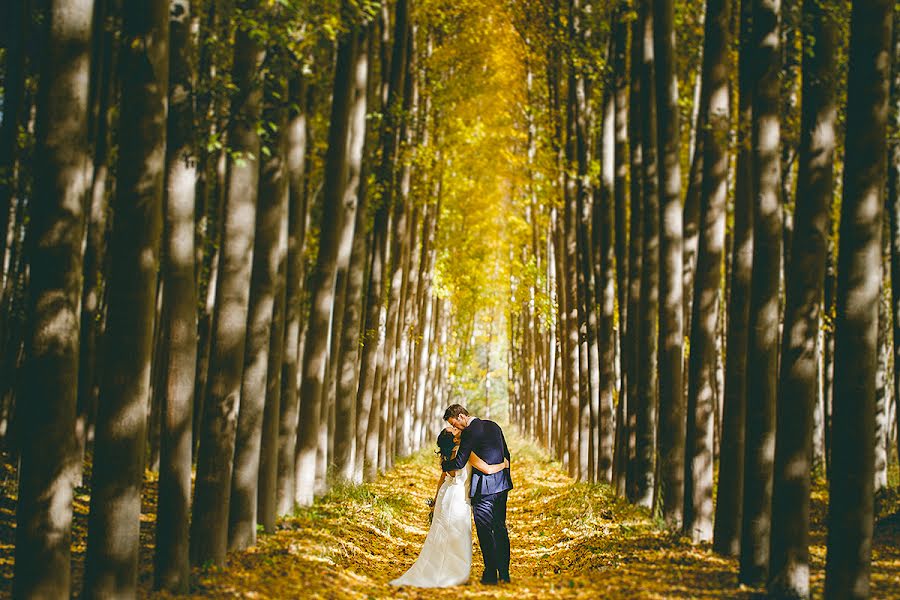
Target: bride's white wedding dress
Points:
(446, 556)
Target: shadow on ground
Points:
(569, 540)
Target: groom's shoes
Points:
(489, 578)
(504, 578)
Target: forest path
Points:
(568, 540)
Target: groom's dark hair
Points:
(454, 410)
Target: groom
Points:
(488, 492)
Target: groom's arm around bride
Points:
(488, 492)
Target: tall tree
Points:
(698, 495)
(373, 350)
(322, 288)
(893, 207)
(212, 491)
(243, 506)
(798, 389)
(631, 354)
(850, 508)
(623, 266)
(648, 385)
(278, 182)
(114, 524)
(570, 261)
(762, 352)
(297, 140)
(671, 430)
(179, 315)
(47, 399)
(345, 432)
(729, 492)
(100, 129)
(604, 301)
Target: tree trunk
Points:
(289, 406)
(789, 570)
(243, 507)
(179, 316)
(882, 398)
(403, 219)
(114, 524)
(893, 207)
(279, 182)
(48, 455)
(604, 298)
(13, 108)
(322, 288)
(729, 493)
(348, 355)
(646, 409)
(671, 308)
(762, 353)
(368, 403)
(95, 240)
(212, 493)
(572, 398)
(620, 196)
(850, 509)
(631, 354)
(698, 496)
(691, 215)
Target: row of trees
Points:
(713, 276)
(231, 258)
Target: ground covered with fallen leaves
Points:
(569, 540)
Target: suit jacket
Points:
(485, 438)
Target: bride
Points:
(446, 556)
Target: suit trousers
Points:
(490, 522)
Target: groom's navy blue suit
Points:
(488, 493)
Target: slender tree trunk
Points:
(48, 454)
(179, 316)
(95, 240)
(631, 354)
(729, 493)
(289, 406)
(605, 291)
(572, 399)
(789, 570)
(691, 216)
(850, 509)
(243, 508)
(323, 286)
(212, 491)
(114, 524)
(762, 354)
(698, 506)
(345, 410)
(369, 408)
(646, 409)
(882, 398)
(623, 266)
(588, 401)
(893, 207)
(671, 307)
(267, 488)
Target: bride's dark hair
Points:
(445, 444)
